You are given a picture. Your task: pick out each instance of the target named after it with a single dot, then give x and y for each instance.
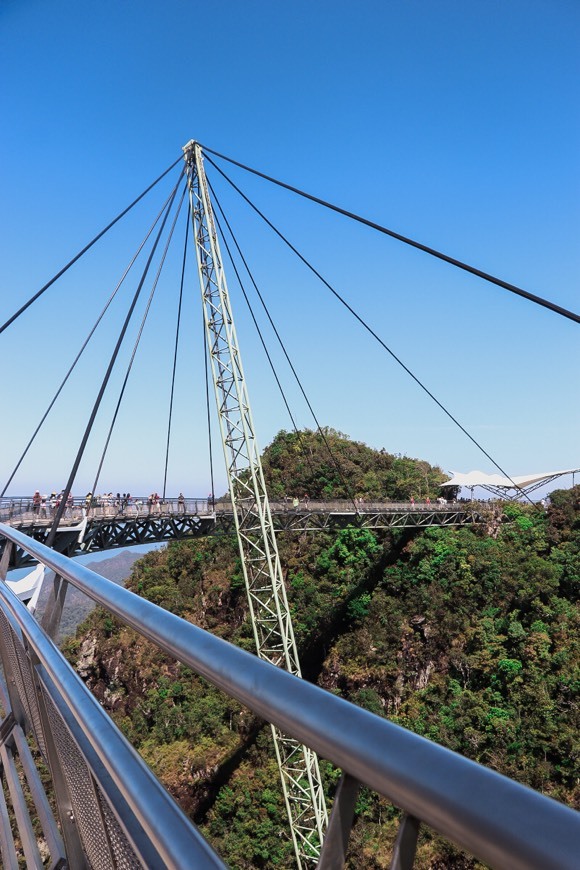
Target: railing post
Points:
(406, 843)
(5, 562)
(52, 615)
(334, 849)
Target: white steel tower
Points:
(268, 604)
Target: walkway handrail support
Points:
(500, 822)
(176, 840)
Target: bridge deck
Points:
(109, 527)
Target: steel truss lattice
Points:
(269, 611)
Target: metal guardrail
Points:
(23, 509)
(112, 524)
(497, 820)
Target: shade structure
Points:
(505, 486)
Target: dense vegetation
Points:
(328, 465)
(466, 637)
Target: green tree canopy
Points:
(328, 465)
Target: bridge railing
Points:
(499, 821)
(23, 509)
(348, 506)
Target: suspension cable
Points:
(294, 372)
(137, 341)
(248, 303)
(531, 297)
(61, 508)
(258, 330)
(85, 249)
(177, 328)
(81, 351)
(369, 329)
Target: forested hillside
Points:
(468, 638)
(329, 465)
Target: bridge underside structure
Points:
(100, 533)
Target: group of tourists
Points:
(154, 503)
(296, 501)
(45, 506)
(108, 503)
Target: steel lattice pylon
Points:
(262, 570)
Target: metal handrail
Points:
(176, 839)
(499, 821)
(23, 509)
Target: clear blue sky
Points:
(454, 123)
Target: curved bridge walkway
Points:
(110, 526)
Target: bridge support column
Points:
(269, 610)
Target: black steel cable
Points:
(369, 329)
(176, 348)
(277, 334)
(85, 249)
(531, 297)
(245, 295)
(81, 351)
(137, 342)
(253, 316)
(66, 492)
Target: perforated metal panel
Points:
(19, 668)
(124, 859)
(104, 842)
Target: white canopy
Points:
(521, 481)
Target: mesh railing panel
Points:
(96, 828)
(122, 853)
(20, 670)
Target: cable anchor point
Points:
(188, 151)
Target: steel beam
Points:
(120, 531)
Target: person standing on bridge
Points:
(181, 503)
(36, 499)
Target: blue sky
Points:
(456, 124)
